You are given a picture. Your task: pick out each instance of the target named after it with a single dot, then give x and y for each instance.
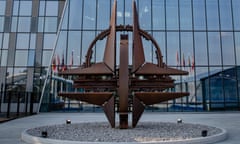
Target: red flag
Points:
(193, 63)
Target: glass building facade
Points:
(39, 38)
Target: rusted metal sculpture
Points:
(124, 88)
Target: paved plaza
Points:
(10, 132)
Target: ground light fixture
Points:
(68, 121)
(44, 134)
(204, 133)
(179, 120)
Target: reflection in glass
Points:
(236, 12)
(158, 14)
(89, 14)
(185, 14)
(228, 48)
(25, 8)
(200, 44)
(173, 48)
(144, 13)
(74, 46)
(75, 14)
(14, 24)
(49, 41)
(5, 40)
(237, 47)
(1, 23)
(161, 40)
(50, 24)
(103, 14)
(2, 7)
(24, 24)
(22, 41)
(21, 58)
(214, 48)
(51, 8)
(187, 49)
(212, 14)
(87, 38)
(225, 14)
(199, 14)
(31, 58)
(46, 58)
(4, 57)
(172, 14)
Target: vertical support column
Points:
(123, 83)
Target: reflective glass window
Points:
(212, 14)
(52, 8)
(173, 48)
(199, 14)
(158, 14)
(22, 41)
(4, 57)
(25, 8)
(15, 7)
(49, 41)
(42, 8)
(214, 48)
(21, 58)
(100, 46)
(128, 13)
(237, 46)
(187, 49)
(185, 14)
(2, 7)
(161, 40)
(33, 41)
(172, 14)
(236, 12)
(5, 40)
(46, 58)
(1, 24)
(65, 20)
(89, 14)
(24, 24)
(120, 12)
(50, 24)
(200, 45)
(31, 57)
(74, 38)
(1, 36)
(228, 48)
(40, 24)
(75, 14)
(87, 38)
(14, 24)
(225, 14)
(144, 13)
(103, 14)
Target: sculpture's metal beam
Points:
(123, 82)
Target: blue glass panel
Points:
(4, 58)
(128, 13)
(185, 14)
(22, 41)
(187, 50)
(158, 14)
(14, 24)
(49, 41)
(87, 38)
(31, 57)
(172, 14)
(237, 47)
(89, 14)
(46, 58)
(120, 12)
(144, 13)
(24, 24)
(75, 14)
(161, 40)
(74, 43)
(172, 48)
(25, 8)
(2, 7)
(236, 12)
(200, 44)
(1, 23)
(42, 8)
(103, 14)
(5, 41)
(15, 7)
(228, 48)
(52, 8)
(50, 24)
(214, 48)
(212, 14)
(199, 15)
(21, 58)
(225, 14)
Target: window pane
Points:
(200, 41)
(185, 14)
(158, 14)
(236, 12)
(24, 24)
(128, 13)
(5, 41)
(161, 40)
(21, 58)
(40, 24)
(172, 14)
(31, 57)
(14, 24)
(4, 58)
(75, 19)
(74, 38)
(87, 38)
(103, 14)
(22, 41)
(172, 48)
(25, 8)
(2, 7)
(214, 48)
(89, 14)
(42, 8)
(212, 15)
(228, 48)
(237, 46)
(1, 24)
(52, 8)
(187, 49)
(15, 7)
(49, 41)
(144, 13)
(199, 14)
(33, 41)
(46, 59)
(50, 24)
(225, 14)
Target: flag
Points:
(193, 63)
(177, 58)
(189, 64)
(63, 67)
(71, 60)
(183, 61)
(54, 66)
